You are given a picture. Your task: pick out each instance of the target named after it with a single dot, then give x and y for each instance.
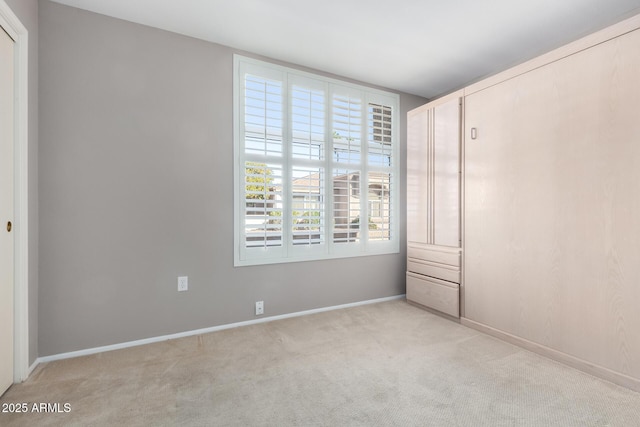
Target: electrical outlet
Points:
(259, 308)
(183, 283)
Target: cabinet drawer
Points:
(451, 258)
(434, 294)
(439, 271)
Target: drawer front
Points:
(434, 294)
(439, 271)
(450, 258)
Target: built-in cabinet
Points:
(551, 204)
(433, 204)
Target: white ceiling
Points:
(424, 47)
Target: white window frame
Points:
(288, 252)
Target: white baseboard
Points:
(128, 344)
(572, 361)
(33, 366)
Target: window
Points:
(316, 166)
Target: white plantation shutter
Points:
(315, 166)
(308, 216)
(346, 123)
(263, 205)
(346, 206)
(381, 175)
(263, 116)
(380, 204)
(308, 112)
(307, 122)
(379, 134)
(347, 129)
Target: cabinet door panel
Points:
(417, 194)
(446, 174)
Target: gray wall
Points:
(27, 12)
(136, 189)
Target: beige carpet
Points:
(388, 364)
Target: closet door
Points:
(6, 210)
